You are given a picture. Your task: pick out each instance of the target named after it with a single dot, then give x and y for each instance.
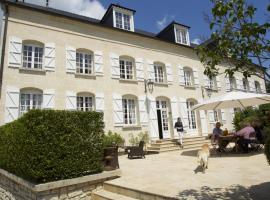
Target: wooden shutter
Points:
(251, 85)
(71, 100)
(12, 104)
(98, 60)
(115, 69)
(49, 57)
(228, 84)
(203, 122)
(262, 84)
(181, 75)
(99, 102)
(15, 52)
(169, 73)
(223, 115)
(153, 123)
(142, 109)
(218, 82)
(175, 111)
(151, 71)
(48, 99)
(139, 69)
(117, 110)
(71, 59)
(206, 81)
(239, 83)
(183, 111)
(196, 77)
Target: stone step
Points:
(163, 148)
(193, 146)
(164, 145)
(194, 138)
(133, 193)
(107, 195)
(196, 142)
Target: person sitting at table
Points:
(245, 134)
(217, 131)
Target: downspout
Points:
(6, 14)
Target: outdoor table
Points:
(223, 141)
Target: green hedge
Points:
(47, 145)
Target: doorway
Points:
(162, 116)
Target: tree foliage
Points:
(237, 40)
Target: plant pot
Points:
(111, 158)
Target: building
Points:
(57, 60)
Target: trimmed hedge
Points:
(48, 145)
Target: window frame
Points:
(212, 83)
(192, 118)
(125, 72)
(246, 86)
(40, 64)
(91, 63)
(84, 107)
(181, 35)
(120, 21)
(31, 105)
(233, 83)
(129, 107)
(159, 73)
(257, 86)
(188, 81)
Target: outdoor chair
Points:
(214, 144)
(136, 151)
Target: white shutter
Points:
(71, 100)
(139, 69)
(98, 58)
(151, 71)
(196, 77)
(251, 85)
(117, 110)
(228, 84)
(181, 75)
(49, 57)
(99, 102)
(153, 123)
(211, 116)
(262, 84)
(206, 81)
(142, 109)
(115, 68)
(223, 115)
(71, 59)
(218, 82)
(169, 73)
(12, 104)
(175, 110)
(48, 99)
(239, 83)
(203, 122)
(15, 52)
(232, 113)
(183, 111)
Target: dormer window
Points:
(123, 19)
(181, 35)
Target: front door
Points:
(162, 116)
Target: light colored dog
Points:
(203, 156)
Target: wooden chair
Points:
(136, 151)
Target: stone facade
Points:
(15, 188)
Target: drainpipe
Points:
(5, 14)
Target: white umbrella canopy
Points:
(233, 100)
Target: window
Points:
(181, 35)
(84, 63)
(212, 83)
(32, 56)
(85, 102)
(126, 69)
(233, 83)
(191, 115)
(159, 73)
(245, 85)
(257, 87)
(122, 21)
(215, 116)
(30, 100)
(129, 111)
(188, 77)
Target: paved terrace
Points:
(176, 174)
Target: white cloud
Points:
(196, 41)
(164, 21)
(89, 8)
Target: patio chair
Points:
(214, 144)
(136, 151)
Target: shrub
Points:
(47, 145)
(113, 139)
(142, 136)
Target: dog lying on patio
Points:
(203, 156)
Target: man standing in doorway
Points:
(180, 130)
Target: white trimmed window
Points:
(233, 84)
(85, 102)
(84, 63)
(212, 83)
(188, 77)
(129, 110)
(30, 99)
(245, 85)
(191, 115)
(257, 87)
(33, 56)
(126, 68)
(159, 71)
(122, 21)
(181, 35)
(215, 116)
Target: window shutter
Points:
(115, 69)
(12, 104)
(71, 59)
(99, 102)
(71, 100)
(218, 82)
(203, 122)
(251, 85)
(183, 111)
(223, 115)
(49, 57)
(15, 52)
(262, 84)
(175, 110)
(181, 75)
(139, 69)
(117, 110)
(232, 113)
(151, 71)
(98, 59)
(48, 99)
(239, 83)
(206, 81)
(228, 84)
(169, 73)
(153, 123)
(196, 77)
(142, 109)
(211, 116)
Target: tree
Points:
(237, 40)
